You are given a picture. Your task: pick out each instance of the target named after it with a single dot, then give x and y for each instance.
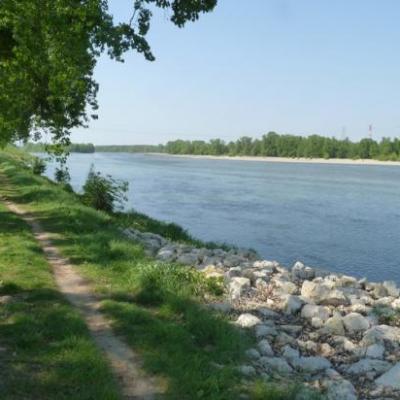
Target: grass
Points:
(157, 308)
(45, 349)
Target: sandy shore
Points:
(343, 161)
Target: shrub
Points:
(103, 192)
(62, 175)
(38, 166)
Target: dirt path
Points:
(135, 384)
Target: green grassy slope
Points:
(158, 309)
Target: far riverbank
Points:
(340, 161)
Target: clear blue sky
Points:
(251, 66)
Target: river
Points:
(342, 217)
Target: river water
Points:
(342, 217)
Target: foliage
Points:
(274, 145)
(71, 148)
(62, 175)
(38, 166)
(138, 148)
(103, 192)
(48, 51)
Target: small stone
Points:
(355, 322)
(375, 351)
(368, 365)
(265, 330)
(310, 310)
(300, 271)
(238, 286)
(248, 320)
(311, 364)
(265, 348)
(6, 299)
(247, 370)
(334, 326)
(391, 378)
(391, 288)
(276, 364)
(291, 304)
(253, 354)
(341, 390)
(290, 353)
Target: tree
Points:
(48, 51)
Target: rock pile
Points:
(336, 333)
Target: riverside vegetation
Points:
(269, 145)
(202, 316)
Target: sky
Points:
(253, 66)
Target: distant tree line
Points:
(71, 148)
(138, 148)
(275, 145)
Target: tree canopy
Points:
(48, 51)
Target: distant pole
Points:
(370, 130)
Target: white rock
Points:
(334, 326)
(248, 320)
(310, 311)
(396, 304)
(265, 348)
(380, 333)
(285, 286)
(390, 378)
(341, 390)
(321, 292)
(166, 255)
(355, 322)
(291, 304)
(391, 288)
(300, 271)
(238, 286)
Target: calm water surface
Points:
(342, 217)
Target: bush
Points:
(62, 175)
(38, 166)
(103, 192)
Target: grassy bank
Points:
(45, 349)
(157, 308)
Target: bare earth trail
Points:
(126, 365)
